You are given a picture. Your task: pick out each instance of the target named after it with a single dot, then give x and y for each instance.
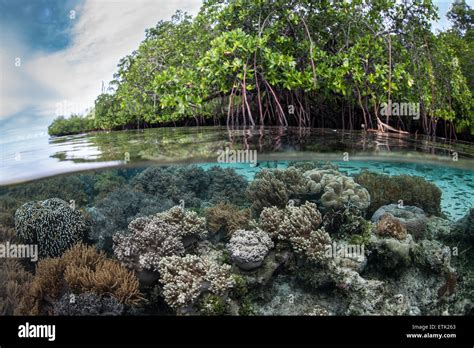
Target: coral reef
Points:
(336, 190)
(13, 279)
(67, 188)
(345, 221)
(411, 217)
(390, 227)
(87, 304)
(185, 278)
(116, 210)
(293, 221)
(464, 227)
(174, 184)
(226, 186)
(411, 190)
(299, 227)
(81, 269)
(275, 188)
(7, 234)
(224, 219)
(192, 184)
(52, 224)
(249, 248)
(154, 237)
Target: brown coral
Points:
(81, 269)
(391, 227)
(227, 218)
(7, 234)
(275, 188)
(13, 278)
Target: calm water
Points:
(449, 165)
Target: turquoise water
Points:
(457, 185)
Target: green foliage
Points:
(251, 60)
(73, 125)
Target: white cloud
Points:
(105, 32)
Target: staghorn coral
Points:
(412, 190)
(275, 187)
(226, 218)
(249, 248)
(52, 224)
(87, 304)
(391, 227)
(185, 278)
(299, 227)
(335, 190)
(80, 269)
(154, 237)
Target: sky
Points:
(56, 54)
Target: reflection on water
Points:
(40, 157)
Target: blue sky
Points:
(54, 54)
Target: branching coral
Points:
(249, 248)
(411, 190)
(81, 269)
(391, 227)
(336, 190)
(154, 237)
(275, 187)
(299, 227)
(226, 218)
(13, 279)
(52, 224)
(293, 221)
(184, 279)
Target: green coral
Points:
(212, 305)
(412, 190)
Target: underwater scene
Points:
(266, 221)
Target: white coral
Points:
(157, 236)
(249, 248)
(337, 189)
(185, 278)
